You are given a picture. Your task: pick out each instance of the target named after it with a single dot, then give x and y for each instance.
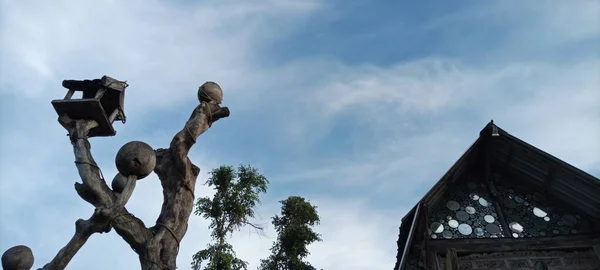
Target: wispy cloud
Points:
(360, 131)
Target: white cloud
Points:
(531, 25)
(412, 120)
(349, 229)
(545, 104)
(164, 50)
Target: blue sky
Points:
(359, 106)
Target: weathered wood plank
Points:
(69, 94)
(510, 244)
(550, 178)
(451, 259)
(435, 260)
(411, 233)
(426, 236)
(490, 182)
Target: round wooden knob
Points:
(135, 158)
(118, 183)
(17, 258)
(210, 92)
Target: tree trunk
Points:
(157, 246)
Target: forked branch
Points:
(158, 246)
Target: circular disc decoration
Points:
(489, 218)
(492, 228)
(539, 212)
(452, 205)
(434, 236)
(470, 210)
(479, 231)
(515, 227)
(474, 196)
(462, 216)
(519, 199)
(436, 227)
(465, 229)
(569, 220)
(453, 224)
(484, 202)
(447, 234)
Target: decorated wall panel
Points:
(466, 211)
(530, 213)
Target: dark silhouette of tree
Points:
(237, 193)
(294, 234)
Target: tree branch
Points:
(130, 228)
(178, 178)
(123, 198)
(110, 210)
(86, 166)
(83, 230)
(201, 119)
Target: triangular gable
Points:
(509, 158)
(429, 198)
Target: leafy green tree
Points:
(294, 234)
(231, 208)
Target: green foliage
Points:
(231, 208)
(227, 259)
(294, 234)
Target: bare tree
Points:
(156, 246)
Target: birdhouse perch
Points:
(102, 100)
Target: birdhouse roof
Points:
(95, 84)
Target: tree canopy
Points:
(294, 234)
(237, 193)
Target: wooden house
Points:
(505, 205)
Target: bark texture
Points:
(157, 246)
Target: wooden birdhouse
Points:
(102, 100)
